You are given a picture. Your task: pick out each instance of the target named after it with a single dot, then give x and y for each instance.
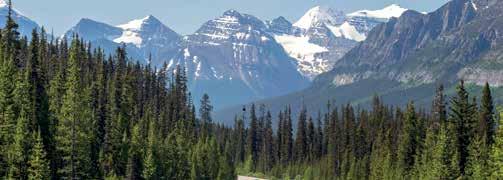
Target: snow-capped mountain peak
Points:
(232, 12)
(137, 23)
(147, 26)
(319, 14)
(393, 10)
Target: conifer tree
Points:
(134, 167)
(252, 141)
(7, 106)
(18, 150)
(439, 111)
(477, 167)
(487, 123)
(38, 162)
(204, 160)
(301, 137)
(37, 81)
(461, 115)
(149, 161)
(205, 113)
(177, 161)
(72, 141)
(430, 164)
(287, 137)
(240, 140)
(450, 157)
(496, 156)
(267, 152)
(407, 148)
(226, 168)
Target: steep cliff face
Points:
(405, 58)
(418, 48)
(147, 40)
(322, 36)
(235, 58)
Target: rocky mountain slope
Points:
(26, 25)
(405, 58)
(144, 38)
(237, 58)
(322, 36)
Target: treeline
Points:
(458, 138)
(68, 111)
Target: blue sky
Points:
(185, 16)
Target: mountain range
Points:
(405, 58)
(237, 58)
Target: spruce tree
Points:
(204, 160)
(38, 162)
(429, 163)
(8, 72)
(301, 138)
(240, 140)
(134, 167)
(439, 109)
(150, 164)
(477, 166)
(407, 148)
(496, 156)
(267, 154)
(487, 123)
(72, 141)
(226, 169)
(205, 113)
(461, 115)
(286, 138)
(18, 150)
(252, 141)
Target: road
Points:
(248, 178)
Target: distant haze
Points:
(185, 16)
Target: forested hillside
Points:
(69, 111)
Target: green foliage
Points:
(461, 115)
(496, 157)
(205, 160)
(38, 162)
(68, 112)
(409, 141)
(430, 164)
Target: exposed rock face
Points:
(322, 36)
(146, 39)
(418, 48)
(235, 58)
(404, 59)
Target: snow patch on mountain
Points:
(318, 15)
(131, 33)
(393, 10)
(323, 35)
(474, 5)
(347, 31)
(299, 47)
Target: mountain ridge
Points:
(407, 57)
